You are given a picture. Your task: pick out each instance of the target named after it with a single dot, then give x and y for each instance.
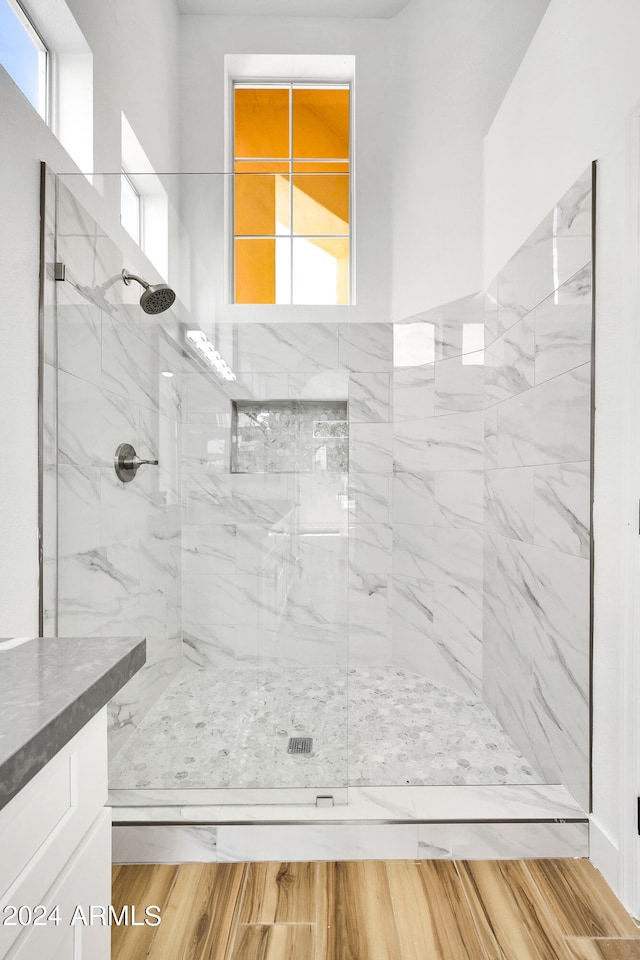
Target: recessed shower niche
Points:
(281, 436)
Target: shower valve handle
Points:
(138, 461)
(127, 462)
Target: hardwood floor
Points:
(374, 910)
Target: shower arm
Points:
(128, 277)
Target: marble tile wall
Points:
(537, 494)
(291, 568)
(116, 375)
(367, 355)
(266, 524)
(456, 545)
(352, 841)
(311, 552)
(438, 462)
(491, 493)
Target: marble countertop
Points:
(49, 689)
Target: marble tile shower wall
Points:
(438, 461)
(278, 564)
(491, 493)
(117, 561)
(537, 494)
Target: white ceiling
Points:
(294, 8)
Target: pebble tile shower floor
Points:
(231, 728)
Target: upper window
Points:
(23, 54)
(130, 208)
(144, 205)
(291, 198)
(56, 76)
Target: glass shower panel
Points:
(266, 553)
(230, 555)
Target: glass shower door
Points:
(267, 495)
(230, 556)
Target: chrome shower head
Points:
(157, 297)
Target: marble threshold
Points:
(504, 803)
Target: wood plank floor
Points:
(374, 910)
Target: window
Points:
(144, 205)
(24, 55)
(291, 196)
(56, 76)
(130, 208)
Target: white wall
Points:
(577, 83)
(455, 60)
(569, 103)
(205, 41)
(135, 69)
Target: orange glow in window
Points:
(291, 194)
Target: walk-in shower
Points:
(371, 536)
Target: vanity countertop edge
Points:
(49, 689)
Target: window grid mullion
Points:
(291, 193)
(299, 159)
(299, 236)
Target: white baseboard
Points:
(605, 855)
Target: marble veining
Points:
(366, 347)
(455, 548)
(527, 432)
(369, 498)
(413, 392)
(537, 495)
(453, 442)
(553, 254)
(286, 347)
(509, 502)
(562, 504)
(458, 498)
(118, 555)
(459, 385)
(413, 497)
(227, 728)
(369, 399)
(563, 328)
(370, 448)
(495, 841)
(509, 362)
(437, 506)
(431, 804)
(491, 491)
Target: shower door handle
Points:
(126, 462)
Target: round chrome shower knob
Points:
(127, 462)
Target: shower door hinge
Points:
(59, 271)
(324, 801)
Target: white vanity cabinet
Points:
(55, 852)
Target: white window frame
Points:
(138, 236)
(69, 112)
(154, 202)
(312, 70)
